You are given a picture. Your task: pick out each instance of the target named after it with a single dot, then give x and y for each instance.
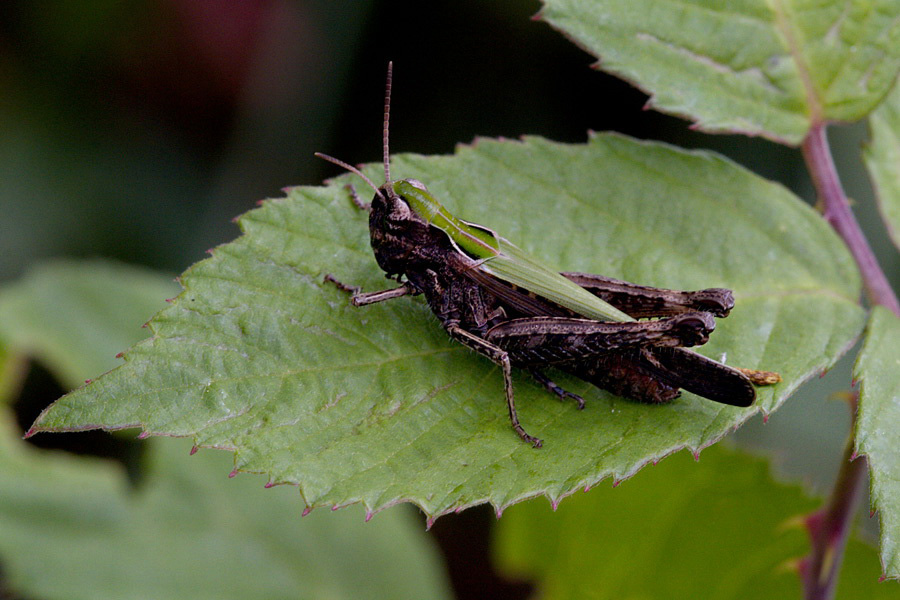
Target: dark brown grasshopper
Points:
(497, 300)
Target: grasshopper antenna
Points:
(386, 155)
(353, 170)
(385, 136)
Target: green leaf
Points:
(74, 316)
(376, 404)
(883, 160)
(721, 529)
(73, 528)
(877, 435)
(760, 67)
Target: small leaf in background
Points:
(877, 433)
(73, 529)
(883, 160)
(760, 67)
(75, 316)
(720, 529)
(376, 405)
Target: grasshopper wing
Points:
(654, 375)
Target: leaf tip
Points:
(306, 511)
(120, 354)
(369, 515)
(144, 435)
(194, 450)
(33, 430)
(233, 473)
(429, 523)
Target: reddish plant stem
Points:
(837, 212)
(830, 526)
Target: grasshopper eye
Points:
(399, 209)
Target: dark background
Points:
(136, 130)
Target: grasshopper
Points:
(497, 300)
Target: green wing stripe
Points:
(515, 266)
(503, 259)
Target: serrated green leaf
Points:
(721, 529)
(877, 435)
(376, 405)
(883, 160)
(74, 316)
(72, 528)
(760, 67)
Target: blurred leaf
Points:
(721, 529)
(12, 372)
(877, 434)
(759, 67)
(75, 316)
(376, 405)
(883, 160)
(73, 529)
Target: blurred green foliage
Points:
(136, 129)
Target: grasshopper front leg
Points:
(360, 298)
(357, 201)
(501, 358)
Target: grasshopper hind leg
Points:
(554, 389)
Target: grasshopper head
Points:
(404, 212)
(400, 226)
